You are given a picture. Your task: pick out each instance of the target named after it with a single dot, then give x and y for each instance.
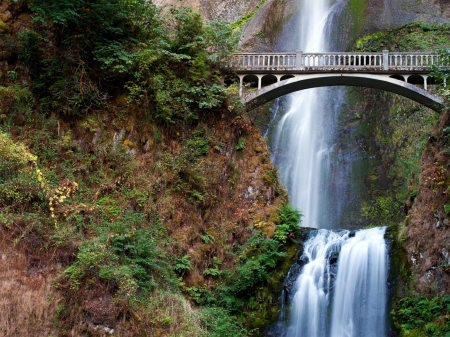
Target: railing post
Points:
(386, 59)
(298, 60)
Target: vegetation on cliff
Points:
(130, 174)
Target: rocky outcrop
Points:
(427, 230)
(393, 13)
(228, 10)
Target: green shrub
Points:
(124, 253)
(220, 323)
(241, 144)
(183, 264)
(427, 316)
(20, 179)
(198, 145)
(289, 222)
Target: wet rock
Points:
(333, 258)
(446, 223)
(352, 234)
(302, 260)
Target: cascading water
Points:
(345, 272)
(312, 287)
(359, 303)
(328, 298)
(299, 147)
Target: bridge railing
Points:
(331, 61)
(335, 61)
(399, 61)
(267, 61)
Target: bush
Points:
(19, 176)
(289, 222)
(220, 323)
(124, 254)
(427, 316)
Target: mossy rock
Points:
(3, 27)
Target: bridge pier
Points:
(241, 84)
(259, 81)
(425, 84)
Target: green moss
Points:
(357, 10)
(413, 36)
(247, 17)
(3, 27)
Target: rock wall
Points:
(228, 10)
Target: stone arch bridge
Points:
(276, 74)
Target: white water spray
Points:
(299, 147)
(312, 287)
(347, 299)
(357, 283)
(359, 304)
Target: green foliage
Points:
(222, 39)
(422, 316)
(183, 264)
(15, 100)
(441, 72)
(382, 211)
(207, 238)
(124, 254)
(162, 60)
(255, 261)
(30, 47)
(412, 36)
(198, 145)
(289, 222)
(220, 323)
(447, 208)
(241, 144)
(108, 207)
(19, 176)
(214, 272)
(247, 17)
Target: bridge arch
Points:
(250, 80)
(416, 79)
(267, 80)
(308, 81)
(286, 77)
(398, 77)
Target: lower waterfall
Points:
(341, 288)
(359, 304)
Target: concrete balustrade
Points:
(299, 61)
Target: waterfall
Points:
(312, 287)
(359, 304)
(340, 288)
(345, 271)
(299, 147)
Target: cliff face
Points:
(392, 13)
(228, 10)
(150, 211)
